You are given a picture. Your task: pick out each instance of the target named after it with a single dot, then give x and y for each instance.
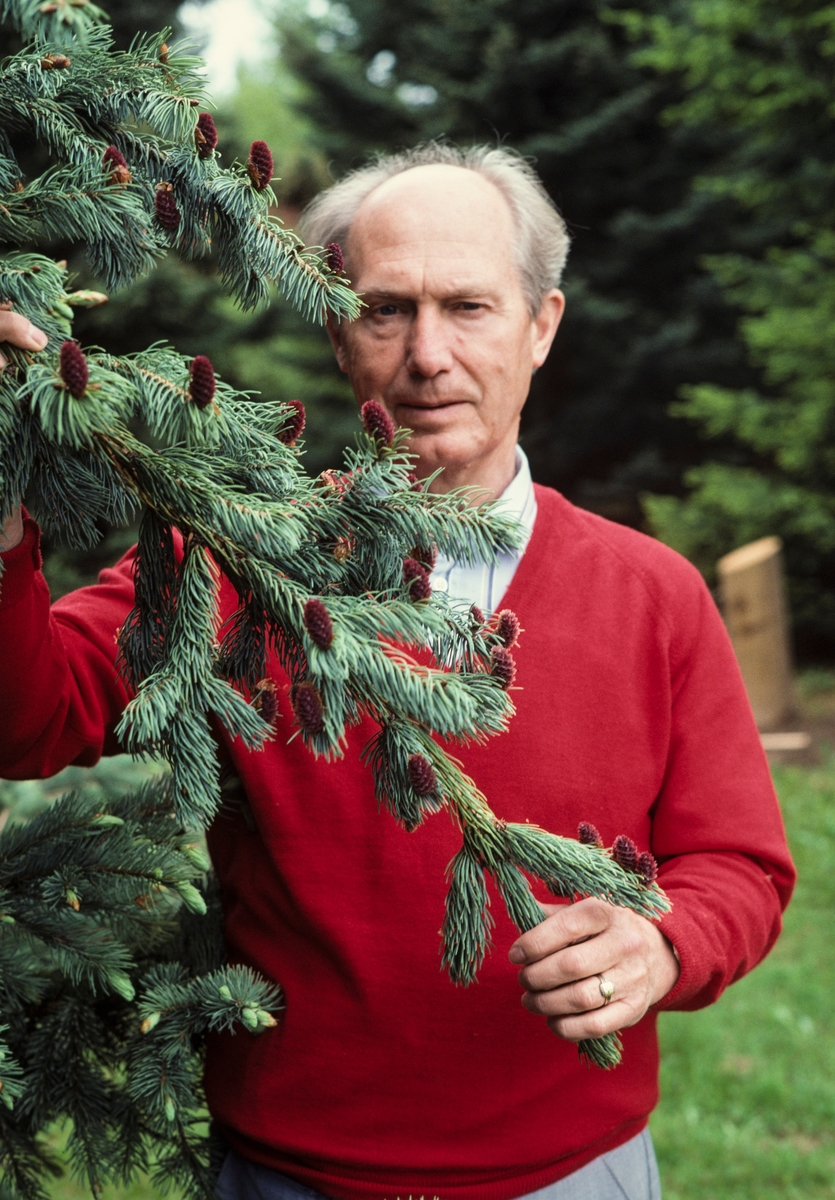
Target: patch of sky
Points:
(416, 95)
(229, 34)
(381, 68)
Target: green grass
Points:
(748, 1086)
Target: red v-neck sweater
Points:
(382, 1079)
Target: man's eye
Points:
(387, 310)
(469, 305)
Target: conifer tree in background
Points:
(332, 574)
(555, 80)
(773, 442)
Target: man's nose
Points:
(429, 348)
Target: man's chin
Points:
(452, 451)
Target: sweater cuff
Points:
(20, 564)
(691, 978)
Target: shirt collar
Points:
(518, 499)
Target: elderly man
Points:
(383, 1080)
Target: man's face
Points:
(446, 341)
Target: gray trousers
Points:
(628, 1173)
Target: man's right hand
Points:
(22, 333)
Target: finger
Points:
(571, 923)
(580, 960)
(582, 996)
(3, 361)
(20, 331)
(620, 1014)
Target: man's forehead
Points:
(434, 203)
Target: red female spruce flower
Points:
(73, 369)
(426, 558)
(266, 700)
(377, 423)
(334, 258)
(165, 207)
(422, 775)
(202, 385)
(307, 705)
(625, 853)
(502, 666)
(416, 577)
(260, 165)
(508, 628)
(294, 425)
(588, 835)
(318, 623)
(113, 157)
(205, 135)
(647, 867)
(476, 616)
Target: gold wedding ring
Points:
(607, 989)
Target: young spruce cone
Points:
(422, 775)
(73, 369)
(318, 623)
(502, 666)
(588, 835)
(344, 548)
(294, 425)
(377, 423)
(202, 385)
(416, 577)
(113, 157)
(205, 135)
(647, 867)
(625, 853)
(260, 165)
(334, 258)
(426, 558)
(476, 616)
(508, 628)
(266, 701)
(307, 705)
(165, 207)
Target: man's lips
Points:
(428, 406)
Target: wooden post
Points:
(753, 594)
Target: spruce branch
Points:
(332, 577)
(123, 1063)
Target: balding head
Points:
(540, 240)
(435, 212)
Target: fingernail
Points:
(38, 336)
(516, 955)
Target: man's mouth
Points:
(428, 405)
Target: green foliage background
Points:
(688, 144)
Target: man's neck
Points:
(491, 477)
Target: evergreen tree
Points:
(555, 79)
(332, 573)
(764, 68)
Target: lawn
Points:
(748, 1091)
(748, 1102)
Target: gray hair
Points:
(542, 245)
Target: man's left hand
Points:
(564, 956)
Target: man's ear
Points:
(545, 325)
(336, 333)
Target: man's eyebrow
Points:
(459, 293)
